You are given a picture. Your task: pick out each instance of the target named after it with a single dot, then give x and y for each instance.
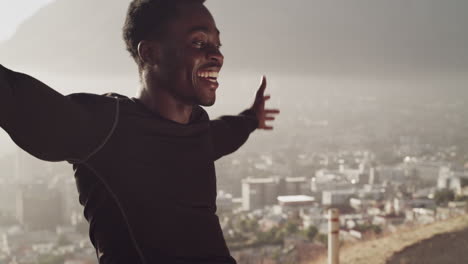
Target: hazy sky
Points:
(12, 13)
(323, 39)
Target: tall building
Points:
(7, 199)
(39, 207)
(259, 192)
(453, 179)
(72, 211)
(426, 171)
(294, 186)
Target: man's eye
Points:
(199, 44)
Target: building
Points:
(326, 180)
(337, 197)
(455, 180)
(72, 211)
(7, 199)
(423, 170)
(259, 192)
(224, 202)
(296, 201)
(294, 186)
(39, 207)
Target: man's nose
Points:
(215, 55)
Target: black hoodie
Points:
(147, 184)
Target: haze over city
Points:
(359, 83)
(307, 48)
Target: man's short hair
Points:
(146, 20)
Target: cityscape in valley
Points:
(384, 162)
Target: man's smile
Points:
(208, 76)
(211, 76)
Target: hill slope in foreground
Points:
(440, 242)
(448, 248)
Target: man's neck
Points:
(160, 101)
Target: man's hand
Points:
(258, 107)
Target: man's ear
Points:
(148, 51)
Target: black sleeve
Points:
(229, 133)
(51, 126)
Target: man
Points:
(144, 166)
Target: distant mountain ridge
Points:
(71, 36)
(305, 36)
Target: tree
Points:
(377, 229)
(322, 238)
(311, 232)
(461, 198)
(50, 259)
(443, 196)
(369, 228)
(291, 228)
(248, 225)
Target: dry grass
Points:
(377, 251)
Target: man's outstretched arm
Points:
(229, 133)
(47, 124)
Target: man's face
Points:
(190, 59)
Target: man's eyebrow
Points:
(203, 29)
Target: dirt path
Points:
(379, 251)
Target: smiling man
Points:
(144, 166)
(180, 61)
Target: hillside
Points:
(448, 248)
(379, 251)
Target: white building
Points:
(453, 180)
(259, 192)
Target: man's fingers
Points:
(266, 97)
(264, 83)
(268, 128)
(269, 118)
(261, 90)
(272, 111)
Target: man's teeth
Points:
(208, 74)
